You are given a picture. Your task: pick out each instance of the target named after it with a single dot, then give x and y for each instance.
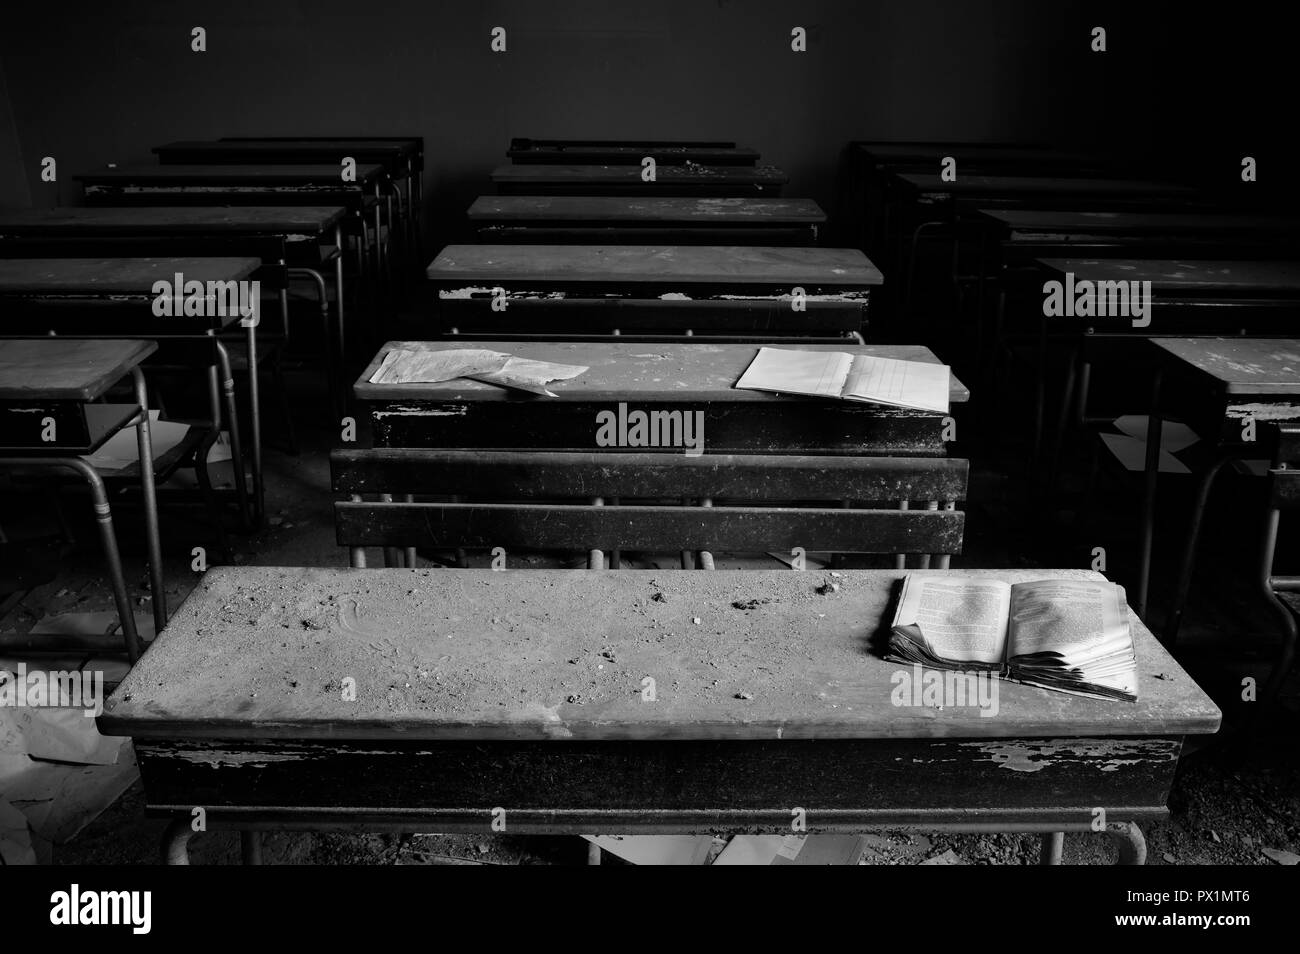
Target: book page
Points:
(960, 618)
(1081, 620)
(816, 373)
(911, 384)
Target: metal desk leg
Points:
(176, 842)
(149, 492)
(338, 291)
(1147, 527)
(1132, 843)
(250, 847)
(255, 412)
(381, 252)
(418, 218)
(228, 389)
(1053, 846)
(333, 378)
(1188, 562)
(1290, 631)
(107, 537)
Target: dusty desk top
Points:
(1140, 223)
(668, 264)
(171, 220)
(599, 208)
(1242, 365)
(544, 172)
(930, 183)
(260, 652)
(194, 175)
(66, 369)
(114, 276)
(618, 371)
(1173, 275)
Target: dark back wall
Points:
(92, 83)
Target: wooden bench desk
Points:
(921, 206)
(518, 697)
(677, 289)
(629, 152)
(1024, 191)
(48, 421)
(671, 220)
(1012, 239)
(686, 377)
(716, 181)
(248, 184)
(398, 156)
(302, 241)
(1117, 226)
(1215, 386)
(365, 198)
(113, 298)
(1188, 298)
(405, 165)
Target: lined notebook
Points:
(918, 385)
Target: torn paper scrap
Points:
(529, 375)
(401, 366)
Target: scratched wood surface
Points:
(66, 369)
(560, 173)
(602, 208)
(269, 174)
(1180, 275)
(260, 652)
(170, 220)
(1075, 222)
(114, 276)
(668, 264)
(1241, 365)
(967, 186)
(617, 371)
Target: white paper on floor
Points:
(1173, 435)
(1132, 454)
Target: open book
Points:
(1067, 635)
(849, 377)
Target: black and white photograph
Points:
(627, 433)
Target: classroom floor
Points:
(1236, 799)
